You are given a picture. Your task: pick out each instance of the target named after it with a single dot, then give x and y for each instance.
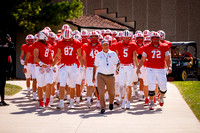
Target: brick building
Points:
(178, 18)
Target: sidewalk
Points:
(23, 116)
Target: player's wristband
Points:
(41, 63)
(25, 66)
(22, 62)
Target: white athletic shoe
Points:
(98, 104)
(123, 104)
(88, 103)
(51, 103)
(71, 104)
(151, 106)
(128, 105)
(161, 100)
(34, 96)
(78, 104)
(28, 94)
(141, 96)
(60, 106)
(41, 107)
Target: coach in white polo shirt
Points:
(107, 63)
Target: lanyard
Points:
(106, 58)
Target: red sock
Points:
(40, 102)
(47, 101)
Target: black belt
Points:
(106, 74)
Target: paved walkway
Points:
(23, 116)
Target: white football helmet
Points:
(155, 34)
(162, 34)
(65, 27)
(43, 36)
(29, 36)
(94, 33)
(138, 31)
(138, 35)
(108, 32)
(146, 33)
(84, 33)
(48, 29)
(78, 37)
(52, 35)
(126, 33)
(119, 34)
(147, 39)
(76, 32)
(67, 34)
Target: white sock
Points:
(128, 102)
(51, 98)
(89, 99)
(34, 95)
(72, 100)
(57, 92)
(68, 97)
(28, 88)
(78, 99)
(61, 101)
(135, 87)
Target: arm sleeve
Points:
(167, 53)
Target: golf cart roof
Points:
(189, 43)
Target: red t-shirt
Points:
(156, 55)
(126, 52)
(91, 52)
(44, 52)
(69, 51)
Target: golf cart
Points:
(185, 63)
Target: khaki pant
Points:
(109, 81)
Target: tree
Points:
(32, 15)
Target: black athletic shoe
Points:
(111, 106)
(102, 111)
(3, 103)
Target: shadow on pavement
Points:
(27, 106)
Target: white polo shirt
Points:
(106, 62)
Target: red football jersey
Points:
(126, 52)
(77, 59)
(91, 52)
(44, 52)
(140, 51)
(31, 49)
(112, 47)
(156, 55)
(69, 51)
(167, 42)
(53, 49)
(25, 48)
